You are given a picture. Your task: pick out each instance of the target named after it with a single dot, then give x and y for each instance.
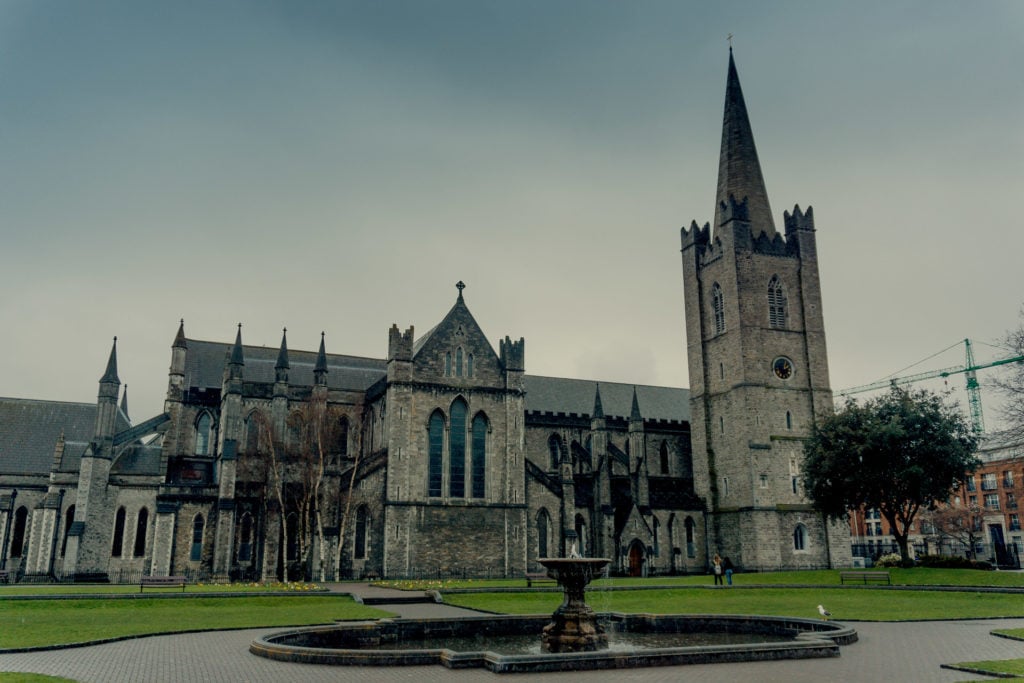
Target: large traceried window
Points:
(776, 303)
(479, 456)
(252, 432)
(718, 308)
(204, 427)
(118, 542)
(457, 450)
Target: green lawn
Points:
(30, 623)
(18, 677)
(863, 605)
(109, 589)
(917, 576)
(996, 667)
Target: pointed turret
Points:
(634, 413)
(179, 339)
(598, 413)
(124, 402)
(282, 354)
(320, 371)
(237, 356)
(110, 376)
(739, 171)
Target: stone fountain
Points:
(574, 626)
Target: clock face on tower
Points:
(782, 367)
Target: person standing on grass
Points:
(716, 568)
(727, 565)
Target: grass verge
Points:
(36, 623)
(916, 576)
(860, 605)
(19, 677)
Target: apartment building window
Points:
(1011, 500)
(1008, 479)
(992, 501)
(970, 484)
(1015, 522)
(988, 481)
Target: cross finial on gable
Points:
(460, 285)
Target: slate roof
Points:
(29, 430)
(138, 459)
(205, 361)
(563, 395)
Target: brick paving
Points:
(886, 651)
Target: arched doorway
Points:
(636, 558)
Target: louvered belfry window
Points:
(776, 304)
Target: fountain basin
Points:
(376, 644)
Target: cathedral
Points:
(445, 457)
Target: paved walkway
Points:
(886, 651)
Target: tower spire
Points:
(634, 413)
(598, 409)
(739, 171)
(179, 339)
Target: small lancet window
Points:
(458, 362)
(776, 304)
(203, 427)
(448, 364)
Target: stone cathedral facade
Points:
(446, 457)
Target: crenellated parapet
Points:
(400, 344)
(513, 354)
(800, 232)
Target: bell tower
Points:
(757, 363)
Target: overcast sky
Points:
(339, 166)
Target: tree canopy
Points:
(895, 453)
(1010, 383)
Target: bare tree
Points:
(954, 523)
(263, 468)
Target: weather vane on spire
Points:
(729, 38)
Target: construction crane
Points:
(969, 368)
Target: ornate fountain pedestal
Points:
(574, 627)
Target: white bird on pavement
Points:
(824, 612)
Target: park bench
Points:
(538, 577)
(865, 577)
(161, 582)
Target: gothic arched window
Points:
(478, 469)
(554, 452)
(204, 428)
(543, 526)
(141, 527)
(116, 546)
(18, 539)
(362, 520)
(718, 308)
(469, 365)
(664, 458)
(69, 518)
(435, 442)
(252, 432)
(776, 303)
(245, 538)
(691, 548)
(457, 449)
(198, 525)
(448, 364)
(458, 362)
(800, 537)
(342, 438)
